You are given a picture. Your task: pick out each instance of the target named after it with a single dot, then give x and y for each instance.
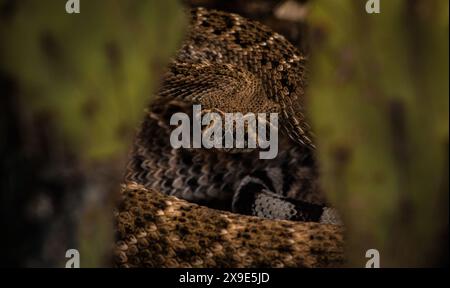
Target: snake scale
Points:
(212, 208)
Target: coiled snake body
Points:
(227, 64)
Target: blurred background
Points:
(74, 88)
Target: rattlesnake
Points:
(228, 64)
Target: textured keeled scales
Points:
(209, 177)
(229, 64)
(218, 38)
(155, 230)
(233, 65)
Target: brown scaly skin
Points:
(233, 65)
(163, 231)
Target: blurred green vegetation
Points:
(379, 104)
(94, 71)
(79, 83)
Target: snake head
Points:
(237, 132)
(235, 113)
